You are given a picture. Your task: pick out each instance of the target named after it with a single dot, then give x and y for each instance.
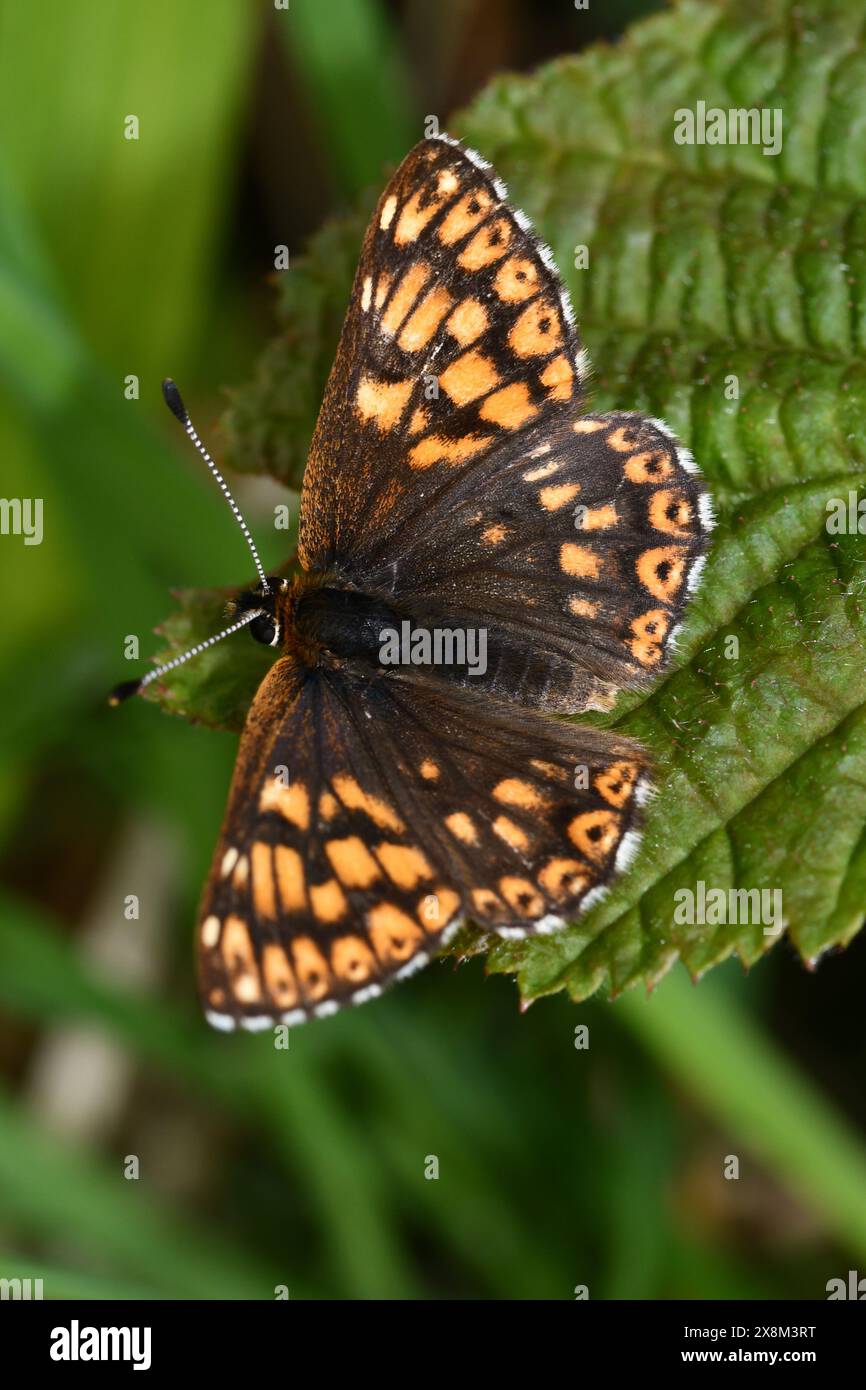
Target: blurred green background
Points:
(558, 1166)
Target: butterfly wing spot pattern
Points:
(454, 477)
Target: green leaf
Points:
(215, 688)
(706, 263)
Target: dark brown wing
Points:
(368, 818)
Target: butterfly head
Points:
(267, 603)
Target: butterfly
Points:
(479, 553)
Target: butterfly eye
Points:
(265, 630)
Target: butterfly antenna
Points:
(174, 401)
(127, 688)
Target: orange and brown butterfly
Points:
(458, 500)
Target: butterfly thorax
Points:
(315, 619)
(320, 620)
(343, 623)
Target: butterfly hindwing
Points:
(370, 817)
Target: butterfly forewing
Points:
(458, 334)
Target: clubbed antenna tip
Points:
(174, 401)
(123, 692)
(126, 688)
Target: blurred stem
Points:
(340, 1179)
(357, 82)
(725, 1060)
